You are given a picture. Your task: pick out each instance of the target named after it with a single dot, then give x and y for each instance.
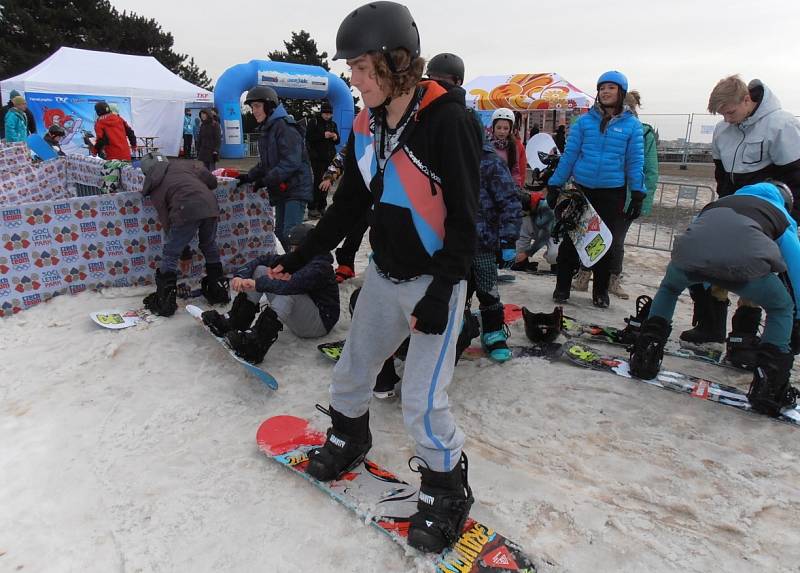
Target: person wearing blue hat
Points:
(604, 157)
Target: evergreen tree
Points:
(31, 30)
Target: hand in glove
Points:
(635, 206)
(553, 192)
(285, 265)
(795, 340)
(243, 179)
(433, 309)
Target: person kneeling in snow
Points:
(182, 194)
(756, 219)
(535, 233)
(308, 303)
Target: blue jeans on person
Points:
(180, 236)
(768, 292)
(288, 214)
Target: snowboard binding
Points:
(647, 351)
(770, 391)
(633, 324)
(541, 326)
(163, 302)
(741, 346)
(215, 285)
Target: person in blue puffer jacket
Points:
(604, 157)
(284, 167)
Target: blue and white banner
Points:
(75, 113)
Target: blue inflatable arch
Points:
(295, 81)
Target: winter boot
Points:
(615, 287)
(648, 350)
(495, 334)
(239, 317)
(445, 499)
(252, 345)
(163, 302)
(770, 390)
(470, 329)
(633, 326)
(386, 382)
(214, 285)
(563, 284)
(742, 343)
(581, 280)
(709, 319)
(348, 442)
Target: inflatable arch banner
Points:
(295, 81)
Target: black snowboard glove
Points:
(291, 262)
(243, 178)
(635, 206)
(553, 191)
(433, 308)
(795, 340)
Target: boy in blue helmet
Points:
(756, 219)
(605, 157)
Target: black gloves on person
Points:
(291, 262)
(433, 309)
(635, 206)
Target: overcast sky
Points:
(673, 51)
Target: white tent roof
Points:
(74, 71)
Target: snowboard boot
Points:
(615, 287)
(600, 284)
(239, 317)
(524, 265)
(600, 299)
(346, 446)
(445, 499)
(252, 345)
(633, 323)
(742, 344)
(495, 334)
(648, 350)
(163, 302)
(386, 382)
(581, 280)
(770, 390)
(543, 327)
(214, 285)
(709, 319)
(563, 284)
(470, 329)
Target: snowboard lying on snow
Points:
(385, 501)
(587, 357)
(259, 373)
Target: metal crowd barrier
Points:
(674, 206)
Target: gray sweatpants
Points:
(381, 321)
(297, 311)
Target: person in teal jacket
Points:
(188, 133)
(604, 156)
(634, 101)
(16, 122)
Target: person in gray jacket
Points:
(756, 141)
(182, 193)
(765, 268)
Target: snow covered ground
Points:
(135, 451)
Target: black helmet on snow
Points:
(298, 233)
(262, 93)
(446, 65)
(380, 27)
(541, 326)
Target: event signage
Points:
(75, 113)
(275, 79)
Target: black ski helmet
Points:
(262, 93)
(447, 65)
(298, 233)
(380, 27)
(56, 130)
(541, 326)
(102, 108)
(786, 193)
(354, 300)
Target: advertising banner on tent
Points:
(525, 92)
(75, 113)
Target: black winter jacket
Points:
(320, 149)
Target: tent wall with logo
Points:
(65, 87)
(546, 99)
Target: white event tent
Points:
(157, 96)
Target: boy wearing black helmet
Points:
(308, 304)
(423, 201)
(283, 166)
